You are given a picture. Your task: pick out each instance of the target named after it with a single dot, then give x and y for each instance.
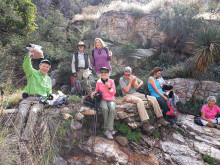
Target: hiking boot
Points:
(162, 121)
(147, 127)
(108, 134)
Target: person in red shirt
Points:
(209, 112)
(107, 87)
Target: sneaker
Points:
(162, 121)
(147, 127)
(108, 134)
(113, 132)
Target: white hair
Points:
(211, 97)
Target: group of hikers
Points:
(39, 84)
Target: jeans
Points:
(163, 104)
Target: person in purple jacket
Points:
(101, 57)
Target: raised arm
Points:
(27, 66)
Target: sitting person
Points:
(38, 84)
(107, 87)
(209, 112)
(156, 91)
(129, 84)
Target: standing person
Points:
(209, 112)
(80, 63)
(107, 87)
(156, 90)
(38, 85)
(129, 84)
(100, 56)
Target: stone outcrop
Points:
(191, 89)
(124, 27)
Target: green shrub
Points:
(156, 134)
(179, 23)
(191, 107)
(74, 98)
(128, 48)
(207, 158)
(135, 12)
(207, 42)
(126, 130)
(181, 131)
(177, 71)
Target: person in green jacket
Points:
(38, 86)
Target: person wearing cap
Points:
(38, 85)
(107, 87)
(101, 57)
(80, 63)
(129, 84)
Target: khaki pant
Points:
(28, 110)
(108, 111)
(138, 99)
(85, 83)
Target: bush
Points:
(177, 71)
(128, 48)
(210, 160)
(135, 12)
(126, 130)
(191, 107)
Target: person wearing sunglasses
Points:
(107, 87)
(129, 84)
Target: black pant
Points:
(163, 103)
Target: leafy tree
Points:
(179, 23)
(17, 16)
(207, 41)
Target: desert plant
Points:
(207, 41)
(207, 158)
(177, 71)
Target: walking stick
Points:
(2, 93)
(94, 126)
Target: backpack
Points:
(197, 120)
(61, 100)
(172, 113)
(88, 101)
(75, 85)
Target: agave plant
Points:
(207, 42)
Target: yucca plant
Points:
(207, 42)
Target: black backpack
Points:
(88, 101)
(197, 120)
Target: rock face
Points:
(188, 89)
(125, 27)
(106, 148)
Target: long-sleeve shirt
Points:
(81, 61)
(101, 59)
(37, 83)
(107, 95)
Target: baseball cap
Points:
(127, 69)
(45, 61)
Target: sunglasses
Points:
(104, 72)
(127, 75)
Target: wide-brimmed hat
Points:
(87, 73)
(45, 61)
(81, 44)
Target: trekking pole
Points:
(94, 126)
(2, 93)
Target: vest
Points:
(77, 60)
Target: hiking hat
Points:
(87, 73)
(104, 68)
(81, 44)
(127, 69)
(45, 61)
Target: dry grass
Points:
(91, 12)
